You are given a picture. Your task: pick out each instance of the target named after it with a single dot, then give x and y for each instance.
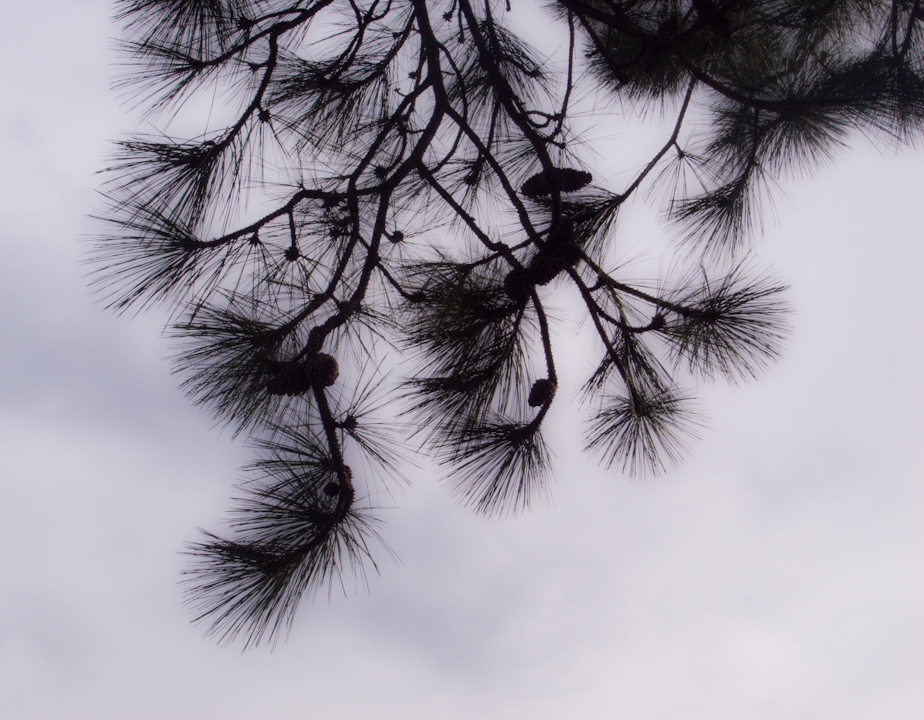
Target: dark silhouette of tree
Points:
(414, 168)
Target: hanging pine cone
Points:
(296, 378)
(518, 284)
(290, 378)
(544, 268)
(323, 369)
(548, 181)
(542, 392)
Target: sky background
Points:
(777, 574)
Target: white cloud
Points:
(777, 574)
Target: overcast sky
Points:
(778, 574)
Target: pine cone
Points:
(296, 378)
(544, 268)
(291, 378)
(542, 392)
(323, 369)
(518, 284)
(548, 181)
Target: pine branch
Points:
(389, 183)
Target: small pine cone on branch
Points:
(323, 369)
(518, 284)
(544, 268)
(290, 378)
(561, 179)
(296, 378)
(542, 392)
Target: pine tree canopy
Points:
(359, 236)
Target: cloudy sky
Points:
(778, 574)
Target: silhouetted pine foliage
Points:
(399, 183)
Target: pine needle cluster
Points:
(420, 198)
